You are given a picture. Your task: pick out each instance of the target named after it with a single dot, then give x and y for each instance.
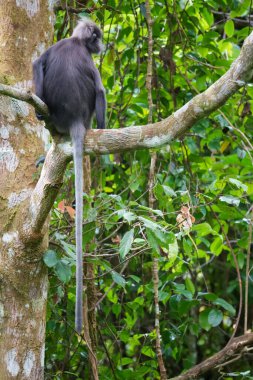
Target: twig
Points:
(151, 181)
(239, 21)
(247, 272)
(238, 131)
(150, 61)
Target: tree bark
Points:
(24, 34)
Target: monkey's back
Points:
(69, 88)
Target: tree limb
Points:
(136, 137)
(162, 132)
(236, 345)
(45, 192)
(26, 96)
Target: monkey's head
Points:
(87, 31)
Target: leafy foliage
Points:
(209, 171)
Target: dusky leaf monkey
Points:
(67, 80)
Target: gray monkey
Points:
(67, 80)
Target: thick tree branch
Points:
(236, 345)
(26, 96)
(47, 187)
(157, 134)
(131, 138)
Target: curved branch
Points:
(236, 345)
(157, 134)
(26, 96)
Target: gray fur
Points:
(78, 134)
(67, 80)
(84, 31)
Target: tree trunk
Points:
(26, 29)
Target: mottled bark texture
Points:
(26, 29)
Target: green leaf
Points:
(158, 238)
(187, 245)
(151, 210)
(228, 212)
(127, 215)
(215, 317)
(135, 278)
(148, 352)
(216, 246)
(189, 285)
(227, 306)
(203, 320)
(124, 336)
(152, 240)
(126, 243)
(173, 250)
(70, 249)
(209, 296)
(50, 258)
(88, 232)
(241, 259)
(166, 237)
(139, 300)
(229, 28)
(203, 229)
(195, 329)
(150, 224)
(118, 279)
(184, 306)
(169, 191)
(230, 200)
(63, 271)
(238, 183)
(163, 296)
(116, 309)
(125, 361)
(112, 296)
(208, 16)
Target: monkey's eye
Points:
(94, 36)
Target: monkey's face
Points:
(94, 42)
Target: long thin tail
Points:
(78, 133)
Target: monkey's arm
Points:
(100, 100)
(38, 78)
